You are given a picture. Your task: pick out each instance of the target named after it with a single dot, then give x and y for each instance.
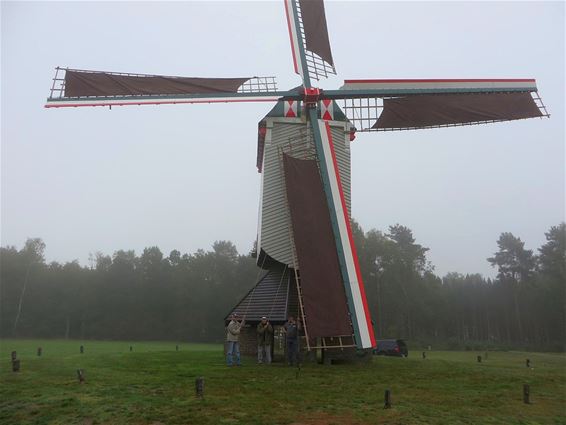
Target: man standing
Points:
(264, 337)
(232, 337)
(291, 329)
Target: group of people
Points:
(264, 331)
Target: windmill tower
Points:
(304, 235)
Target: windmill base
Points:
(332, 356)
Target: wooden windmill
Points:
(304, 234)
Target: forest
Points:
(185, 297)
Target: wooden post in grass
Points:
(424, 355)
(131, 348)
(479, 359)
(387, 400)
(176, 348)
(15, 365)
(82, 349)
(526, 394)
(14, 355)
(81, 376)
(199, 387)
(528, 363)
(39, 351)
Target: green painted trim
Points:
(338, 113)
(277, 111)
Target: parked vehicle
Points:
(391, 347)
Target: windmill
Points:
(304, 230)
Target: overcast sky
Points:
(181, 177)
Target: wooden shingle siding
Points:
(292, 136)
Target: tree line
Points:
(523, 307)
(186, 296)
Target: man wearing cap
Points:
(232, 337)
(264, 338)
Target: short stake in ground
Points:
(82, 349)
(81, 376)
(39, 351)
(526, 394)
(387, 404)
(14, 355)
(479, 359)
(199, 387)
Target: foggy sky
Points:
(181, 177)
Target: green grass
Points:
(154, 384)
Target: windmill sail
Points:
(452, 109)
(79, 84)
(315, 29)
(381, 105)
(321, 282)
(344, 241)
(72, 87)
(310, 44)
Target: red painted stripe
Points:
(172, 102)
(477, 80)
(351, 238)
(291, 36)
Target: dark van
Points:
(391, 347)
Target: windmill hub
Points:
(311, 96)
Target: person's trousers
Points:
(264, 354)
(292, 351)
(233, 350)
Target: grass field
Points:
(154, 384)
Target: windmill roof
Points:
(270, 297)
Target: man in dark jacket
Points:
(264, 338)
